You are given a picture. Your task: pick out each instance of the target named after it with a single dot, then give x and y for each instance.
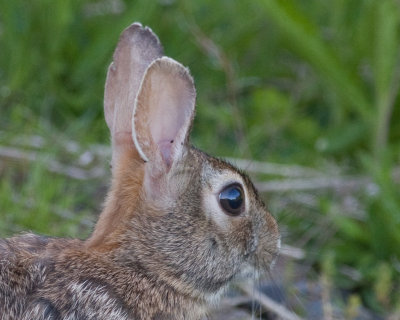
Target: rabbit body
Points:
(177, 225)
(58, 279)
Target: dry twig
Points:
(258, 167)
(51, 164)
(338, 183)
(268, 303)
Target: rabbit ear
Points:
(136, 49)
(163, 113)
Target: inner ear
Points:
(163, 111)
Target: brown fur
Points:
(121, 200)
(153, 254)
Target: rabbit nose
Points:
(252, 246)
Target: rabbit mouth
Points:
(261, 256)
(255, 268)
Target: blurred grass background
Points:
(311, 85)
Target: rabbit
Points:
(177, 226)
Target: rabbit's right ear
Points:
(137, 47)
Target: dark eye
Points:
(231, 199)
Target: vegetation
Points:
(296, 82)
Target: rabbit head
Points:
(190, 219)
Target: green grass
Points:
(302, 82)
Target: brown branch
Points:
(300, 184)
(259, 167)
(292, 252)
(52, 165)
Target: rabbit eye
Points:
(231, 199)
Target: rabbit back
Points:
(45, 278)
(21, 273)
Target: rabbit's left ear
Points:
(163, 113)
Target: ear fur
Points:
(136, 49)
(163, 112)
(149, 102)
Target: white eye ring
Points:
(217, 181)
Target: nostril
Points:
(252, 246)
(213, 243)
